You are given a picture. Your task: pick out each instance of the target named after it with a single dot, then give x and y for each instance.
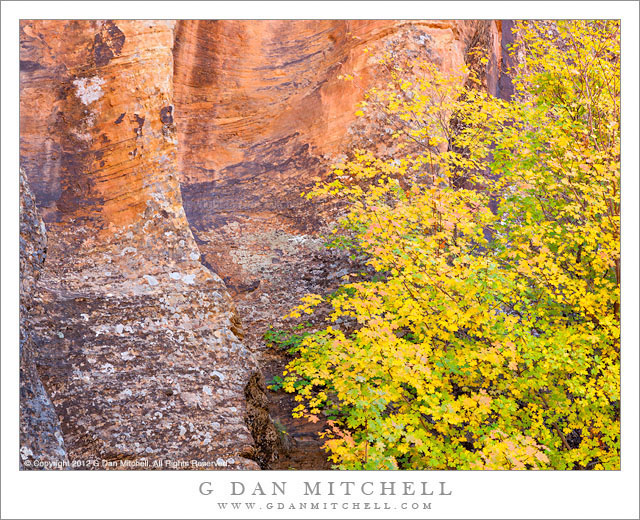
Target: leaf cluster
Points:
(489, 337)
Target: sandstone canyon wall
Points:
(261, 111)
(164, 156)
(137, 339)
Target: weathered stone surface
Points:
(40, 436)
(137, 341)
(93, 140)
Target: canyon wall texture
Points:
(137, 340)
(167, 161)
(261, 110)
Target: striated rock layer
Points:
(261, 111)
(164, 154)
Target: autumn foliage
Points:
(484, 330)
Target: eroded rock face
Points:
(41, 441)
(137, 342)
(96, 141)
(164, 154)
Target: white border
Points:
(175, 495)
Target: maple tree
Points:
(489, 335)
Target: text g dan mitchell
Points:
(326, 488)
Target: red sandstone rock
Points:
(261, 112)
(136, 339)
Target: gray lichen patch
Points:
(89, 89)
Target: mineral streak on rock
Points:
(40, 436)
(508, 60)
